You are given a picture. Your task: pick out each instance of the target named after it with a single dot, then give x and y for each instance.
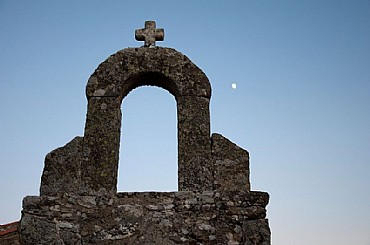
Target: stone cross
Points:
(149, 34)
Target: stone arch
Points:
(112, 81)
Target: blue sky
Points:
(301, 107)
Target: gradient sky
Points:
(301, 107)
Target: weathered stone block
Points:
(231, 165)
(62, 170)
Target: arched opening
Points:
(111, 82)
(148, 145)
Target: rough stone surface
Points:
(62, 170)
(207, 217)
(113, 80)
(149, 34)
(79, 203)
(229, 160)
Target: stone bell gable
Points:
(79, 203)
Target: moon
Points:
(233, 85)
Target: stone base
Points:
(207, 217)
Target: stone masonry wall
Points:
(229, 214)
(208, 217)
(79, 203)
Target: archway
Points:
(109, 85)
(148, 150)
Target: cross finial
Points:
(149, 34)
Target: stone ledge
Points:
(147, 218)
